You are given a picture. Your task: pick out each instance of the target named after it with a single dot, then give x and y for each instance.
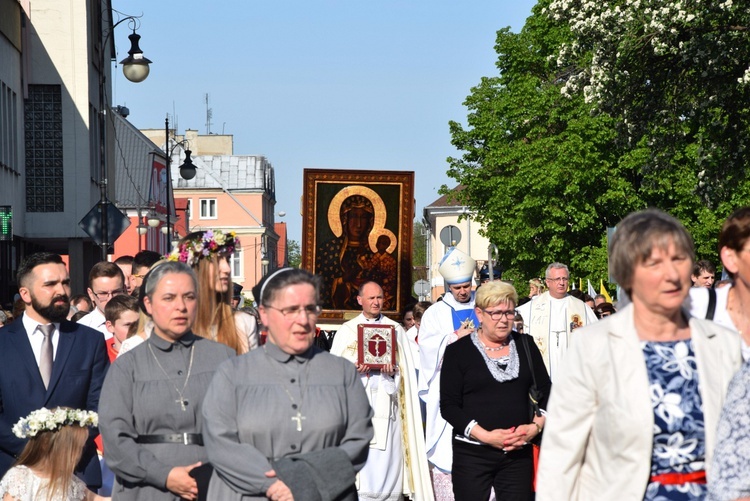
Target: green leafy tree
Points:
(677, 75)
(540, 172)
(559, 146)
(419, 252)
(295, 256)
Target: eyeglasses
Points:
(558, 280)
(293, 311)
(101, 296)
(498, 314)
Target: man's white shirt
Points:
(95, 319)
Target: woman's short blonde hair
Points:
(635, 239)
(492, 293)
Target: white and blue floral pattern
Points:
(730, 470)
(679, 439)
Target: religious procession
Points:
(164, 387)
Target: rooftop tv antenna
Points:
(209, 115)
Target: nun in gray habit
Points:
(286, 421)
(150, 407)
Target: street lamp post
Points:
(135, 68)
(187, 172)
(264, 261)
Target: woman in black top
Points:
(484, 395)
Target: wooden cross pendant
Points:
(299, 417)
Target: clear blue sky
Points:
(343, 84)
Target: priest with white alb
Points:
(390, 472)
(550, 318)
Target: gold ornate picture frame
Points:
(357, 226)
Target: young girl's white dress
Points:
(21, 483)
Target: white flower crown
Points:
(50, 420)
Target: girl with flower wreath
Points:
(208, 253)
(44, 470)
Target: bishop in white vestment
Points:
(443, 323)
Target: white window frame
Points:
(206, 204)
(235, 263)
(190, 215)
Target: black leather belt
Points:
(174, 438)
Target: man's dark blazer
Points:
(78, 372)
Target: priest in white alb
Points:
(550, 318)
(397, 462)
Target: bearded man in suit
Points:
(47, 361)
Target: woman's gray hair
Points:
(283, 278)
(156, 274)
(635, 239)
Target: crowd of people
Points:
(158, 385)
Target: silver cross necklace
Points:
(182, 400)
(298, 418)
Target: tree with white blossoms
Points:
(676, 75)
(538, 170)
(600, 109)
